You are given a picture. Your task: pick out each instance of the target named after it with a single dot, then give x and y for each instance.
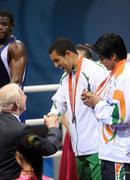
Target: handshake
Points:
(51, 120)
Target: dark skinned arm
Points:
(17, 62)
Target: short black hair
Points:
(87, 48)
(110, 44)
(8, 14)
(61, 45)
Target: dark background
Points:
(40, 22)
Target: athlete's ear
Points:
(114, 57)
(12, 27)
(68, 52)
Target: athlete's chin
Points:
(67, 70)
(2, 36)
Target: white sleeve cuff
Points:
(99, 109)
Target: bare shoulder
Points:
(17, 52)
(16, 47)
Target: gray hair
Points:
(9, 94)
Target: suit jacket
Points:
(10, 132)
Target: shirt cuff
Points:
(99, 107)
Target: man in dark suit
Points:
(12, 104)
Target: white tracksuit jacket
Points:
(84, 132)
(113, 113)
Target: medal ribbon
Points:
(116, 71)
(72, 95)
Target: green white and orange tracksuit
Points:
(113, 113)
(84, 131)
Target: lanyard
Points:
(103, 84)
(73, 88)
